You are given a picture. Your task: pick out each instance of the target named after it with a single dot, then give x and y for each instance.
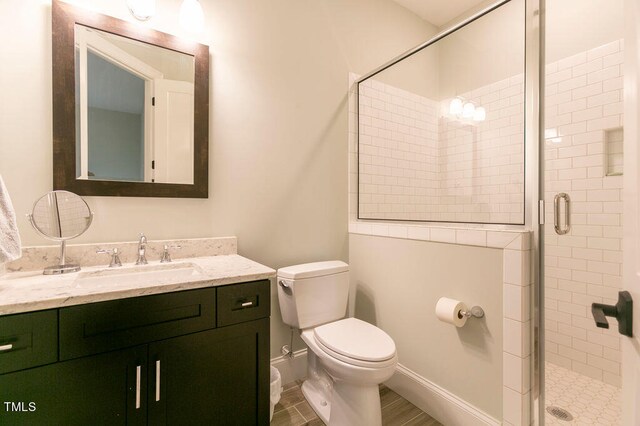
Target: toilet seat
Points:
(356, 342)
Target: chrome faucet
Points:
(166, 256)
(142, 249)
(115, 256)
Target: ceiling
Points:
(439, 12)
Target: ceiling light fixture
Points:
(460, 108)
(468, 109)
(455, 107)
(191, 16)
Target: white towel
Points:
(9, 237)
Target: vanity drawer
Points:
(28, 340)
(105, 326)
(243, 302)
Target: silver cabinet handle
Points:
(561, 230)
(138, 374)
(158, 380)
(246, 304)
(5, 348)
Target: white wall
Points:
(577, 25)
(418, 73)
(397, 283)
(488, 50)
(278, 123)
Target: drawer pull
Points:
(5, 348)
(158, 380)
(138, 374)
(246, 304)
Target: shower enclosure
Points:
(513, 119)
(582, 180)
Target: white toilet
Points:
(347, 358)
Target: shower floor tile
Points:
(589, 401)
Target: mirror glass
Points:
(441, 132)
(61, 215)
(134, 110)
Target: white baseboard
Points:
(439, 403)
(291, 369)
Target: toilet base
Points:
(340, 402)
(315, 396)
(355, 405)
(347, 405)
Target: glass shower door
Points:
(583, 169)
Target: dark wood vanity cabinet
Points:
(197, 357)
(96, 390)
(222, 372)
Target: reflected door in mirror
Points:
(134, 110)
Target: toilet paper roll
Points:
(448, 310)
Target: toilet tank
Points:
(313, 293)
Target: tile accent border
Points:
(517, 352)
(511, 240)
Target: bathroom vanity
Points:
(154, 347)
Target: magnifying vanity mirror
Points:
(130, 108)
(61, 216)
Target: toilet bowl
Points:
(347, 358)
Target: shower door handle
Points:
(622, 311)
(560, 229)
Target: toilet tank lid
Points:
(310, 270)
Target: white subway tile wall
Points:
(584, 104)
(418, 163)
(398, 136)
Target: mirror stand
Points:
(60, 216)
(63, 267)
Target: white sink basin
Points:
(139, 275)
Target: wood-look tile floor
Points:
(294, 410)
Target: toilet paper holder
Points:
(476, 312)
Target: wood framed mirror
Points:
(130, 108)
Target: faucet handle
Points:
(115, 256)
(142, 257)
(166, 257)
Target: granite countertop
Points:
(32, 291)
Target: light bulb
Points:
(455, 107)
(480, 114)
(191, 16)
(142, 10)
(468, 110)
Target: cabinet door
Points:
(96, 390)
(216, 377)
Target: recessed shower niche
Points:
(614, 158)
